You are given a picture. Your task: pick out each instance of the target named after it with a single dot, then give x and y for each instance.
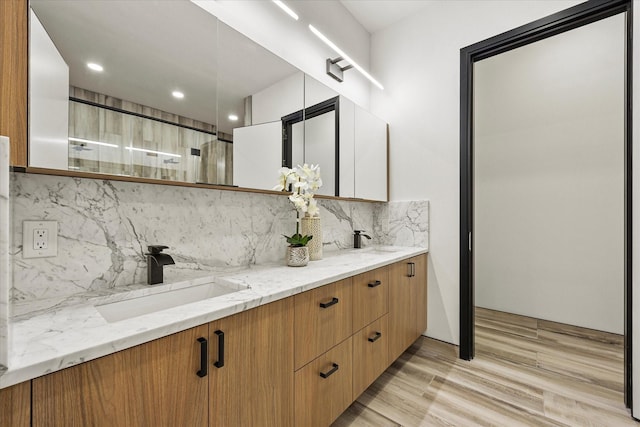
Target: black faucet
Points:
(357, 238)
(155, 261)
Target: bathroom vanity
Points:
(299, 348)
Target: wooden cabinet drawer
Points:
(370, 354)
(320, 400)
(322, 320)
(370, 297)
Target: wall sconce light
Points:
(336, 71)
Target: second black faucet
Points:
(155, 261)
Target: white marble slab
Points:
(403, 223)
(5, 275)
(62, 336)
(105, 227)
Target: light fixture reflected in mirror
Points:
(144, 150)
(95, 67)
(88, 141)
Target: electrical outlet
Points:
(39, 239)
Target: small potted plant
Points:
(303, 182)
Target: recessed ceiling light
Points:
(233, 117)
(177, 94)
(95, 67)
(286, 8)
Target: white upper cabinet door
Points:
(370, 156)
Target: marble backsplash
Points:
(105, 227)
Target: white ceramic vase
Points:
(297, 256)
(311, 226)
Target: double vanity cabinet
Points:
(298, 361)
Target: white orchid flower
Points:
(298, 202)
(305, 181)
(313, 209)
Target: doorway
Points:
(471, 57)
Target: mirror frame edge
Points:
(138, 180)
(14, 92)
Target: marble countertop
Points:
(64, 335)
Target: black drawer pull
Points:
(220, 362)
(374, 283)
(412, 269)
(204, 354)
(333, 301)
(330, 372)
(376, 337)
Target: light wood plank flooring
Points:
(527, 372)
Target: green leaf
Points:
(297, 240)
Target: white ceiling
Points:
(177, 46)
(149, 48)
(375, 15)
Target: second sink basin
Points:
(133, 307)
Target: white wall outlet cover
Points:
(39, 239)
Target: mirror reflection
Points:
(163, 90)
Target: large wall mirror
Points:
(164, 90)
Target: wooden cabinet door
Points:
(323, 318)
(102, 392)
(420, 280)
(153, 384)
(251, 367)
(15, 405)
(173, 393)
(370, 354)
(402, 309)
(324, 387)
(370, 297)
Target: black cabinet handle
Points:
(204, 354)
(220, 362)
(374, 283)
(412, 269)
(333, 301)
(330, 372)
(376, 337)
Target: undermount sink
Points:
(137, 306)
(381, 249)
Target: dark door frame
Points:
(560, 22)
(332, 104)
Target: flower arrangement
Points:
(304, 181)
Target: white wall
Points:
(266, 24)
(319, 131)
(418, 59)
(549, 178)
(278, 100)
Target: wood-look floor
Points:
(527, 372)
